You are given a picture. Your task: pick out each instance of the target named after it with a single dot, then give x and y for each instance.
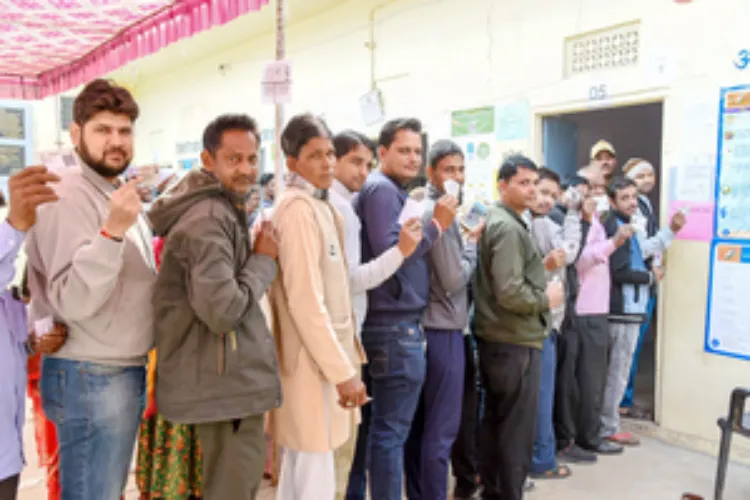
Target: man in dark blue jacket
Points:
(392, 335)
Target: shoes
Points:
(624, 438)
(576, 455)
(606, 447)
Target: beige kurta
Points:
(313, 323)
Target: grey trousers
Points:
(234, 455)
(623, 338)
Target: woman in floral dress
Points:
(169, 456)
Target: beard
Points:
(100, 165)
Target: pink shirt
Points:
(594, 279)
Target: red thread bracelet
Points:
(104, 233)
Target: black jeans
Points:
(581, 375)
(464, 453)
(511, 375)
(9, 487)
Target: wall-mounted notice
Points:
(513, 121)
(733, 165)
(728, 317)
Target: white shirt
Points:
(362, 277)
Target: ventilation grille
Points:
(609, 48)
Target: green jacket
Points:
(511, 305)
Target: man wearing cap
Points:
(603, 155)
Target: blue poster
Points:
(513, 121)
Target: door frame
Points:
(621, 101)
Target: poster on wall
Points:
(474, 130)
(733, 165)
(727, 316)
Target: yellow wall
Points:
(439, 55)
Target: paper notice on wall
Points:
(699, 225)
(694, 181)
(276, 86)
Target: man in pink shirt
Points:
(582, 370)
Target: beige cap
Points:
(602, 146)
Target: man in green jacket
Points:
(512, 300)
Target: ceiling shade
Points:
(50, 46)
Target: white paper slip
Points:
(452, 187)
(43, 326)
(412, 208)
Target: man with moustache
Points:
(392, 334)
(91, 268)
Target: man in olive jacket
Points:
(512, 304)
(216, 360)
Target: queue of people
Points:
(378, 341)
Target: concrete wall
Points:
(440, 55)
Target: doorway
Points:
(635, 132)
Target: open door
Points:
(559, 143)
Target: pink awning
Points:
(50, 46)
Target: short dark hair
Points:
(213, 133)
(549, 174)
(393, 127)
(346, 141)
(300, 130)
(578, 180)
(618, 184)
(103, 95)
(510, 166)
(266, 179)
(441, 149)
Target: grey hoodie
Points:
(549, 236)
(216, 359)
(451, 263)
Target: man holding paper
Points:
(28, 190)
(392, 334)
(451, 263)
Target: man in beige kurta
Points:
(313, 320)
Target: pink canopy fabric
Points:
(49, 46)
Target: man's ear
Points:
(291, 164)
(207, 160)
(75, 134)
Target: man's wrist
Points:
(110, 236)
(14, 224)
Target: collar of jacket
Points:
(296, 180)
(513, 213)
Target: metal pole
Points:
(280, 55)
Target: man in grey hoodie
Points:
(216, 360)
(451, 263)
(560, 245)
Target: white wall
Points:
(453, 54)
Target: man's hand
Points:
(678, 222)
(658, 274)
(410, 236)
(474, 234)
(352, 393)
(28, 189)
(124, 208)
(50, 342)
(445, 211)
(555, 259)
(267, 240)
(555, 294)
(588, 209)
(623, 234)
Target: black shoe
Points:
(609, 448)
(574, 454)
(461, 494)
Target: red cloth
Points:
(44, 431)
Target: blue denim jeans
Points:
(396, 371)
(96, 409)
(545, 444)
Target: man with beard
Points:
(91, 268)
